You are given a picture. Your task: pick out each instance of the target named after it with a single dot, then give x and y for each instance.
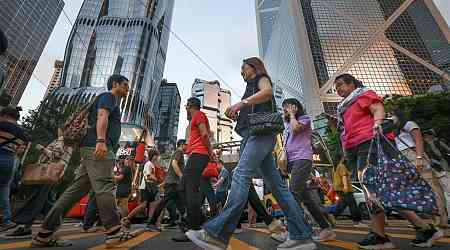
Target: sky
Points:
(221, 32)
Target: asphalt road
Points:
(252, 239)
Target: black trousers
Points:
(347, 199)
(171, 196)
(257, 205)
(192, 178)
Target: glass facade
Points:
(214, 103)
(127, 37)
(409, 57)
(27, 25)
(168, 116)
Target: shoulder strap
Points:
(7, 141)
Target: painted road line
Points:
(27, 243)
(236, 244)
(394, 235)
(341, 244)
(141, 236)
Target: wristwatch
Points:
(419, 157)
(245, 102)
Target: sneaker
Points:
(280, 237)
(118, 238)
(125, 222)
(360, 225)
(20, 233)
(375, 241)
(238, 231)
(7, 226)
(181, 237)
(50, 241)
(297, 245)
(276, 226)
(323, 235)
(152, 228)
(204, 241)
(426, 238)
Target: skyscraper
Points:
(393, 46)
(55, 81)
(168, 116)
(128, 37)
(27, 25)
(215, 101)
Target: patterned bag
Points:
(395, 184)
(77, 125)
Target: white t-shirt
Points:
(406, 140)
(148, 169)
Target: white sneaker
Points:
(360, 225)
(297, 245)
(204, 241)
(280, 237)
(276, 226)
(324, 235)
(439, 233)
(238, 231)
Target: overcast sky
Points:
(222, 32)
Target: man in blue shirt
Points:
(96, 169)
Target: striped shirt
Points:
(12, 136)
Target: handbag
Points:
(265, 123)
(77, 125)
(43, 173)
(211, 171)
(394, 182)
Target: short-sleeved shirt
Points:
(226, 184)
(299, 146)
(404, 140)
(359, 121)
(124, 185)
(104, 101)
(341, 170)
(12, 136)
(172, 177)
(148, 169)
(195, 144)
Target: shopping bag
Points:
(43, 173)
(394, 182)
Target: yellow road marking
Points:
(400, 236)
(236, 244)
(143, 236)
(341, 244)
(27, 243)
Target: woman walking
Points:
(256, 155)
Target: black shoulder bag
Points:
(265, 123)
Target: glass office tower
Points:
(128, 37)
(393, 46)
(27, 26)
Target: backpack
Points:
(77, 125)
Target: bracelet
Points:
(419, 157)
(100, 140)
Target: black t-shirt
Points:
(124, 185)
(106, 101)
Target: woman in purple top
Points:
(299, 152)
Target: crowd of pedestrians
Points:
(196, 172)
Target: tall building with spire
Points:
(393, 46)
(128, 37)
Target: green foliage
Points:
(429, 110)
(332, 140)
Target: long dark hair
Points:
(257, 64)
(350, 79)
(402, 119)
(300, 110)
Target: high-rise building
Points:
(215, 101)
(27, 26)
(168, 116)
(393, 46)
(128, 37)
(55, 82)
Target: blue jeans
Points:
(257, 156)
(6, 176)
(36, 204)
(91, 214)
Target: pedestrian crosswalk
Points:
(256, 239)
